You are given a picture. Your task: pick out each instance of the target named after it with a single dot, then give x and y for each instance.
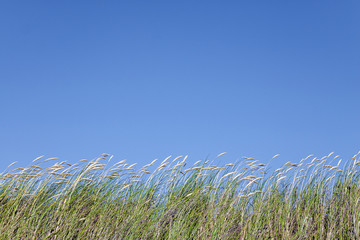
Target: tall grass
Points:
(243, 200)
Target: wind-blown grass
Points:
(92, 200)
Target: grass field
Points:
(311, 199)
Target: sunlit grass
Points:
(311, 199)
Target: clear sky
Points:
(146, 79)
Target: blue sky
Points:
(146, 79)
